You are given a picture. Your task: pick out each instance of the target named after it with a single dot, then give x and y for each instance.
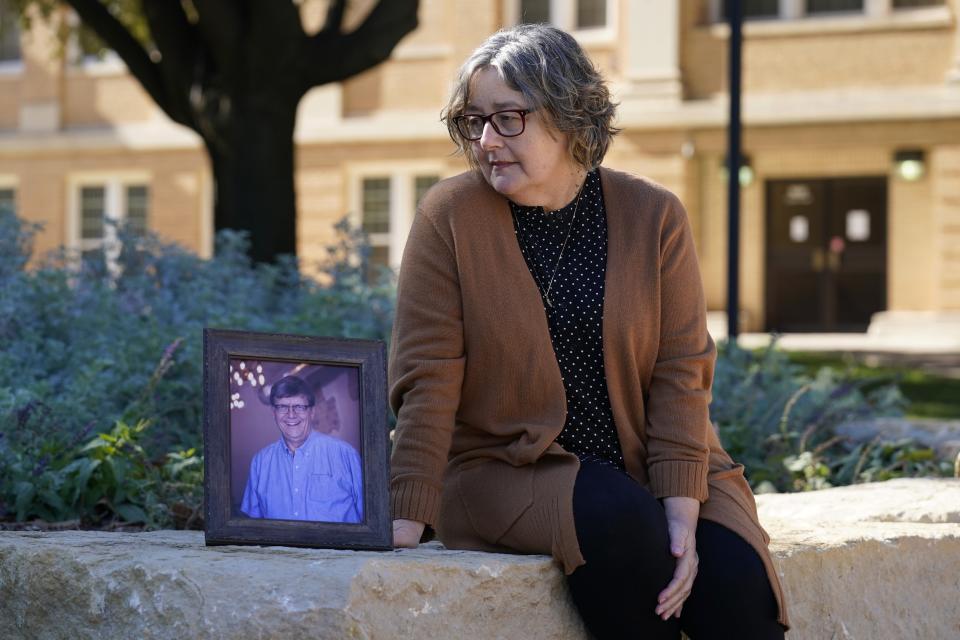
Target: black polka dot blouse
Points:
(575, 318)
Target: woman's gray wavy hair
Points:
(553, 73)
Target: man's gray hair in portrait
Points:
(553, 73)
(289, 387)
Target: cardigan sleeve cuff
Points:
(415, 500)
(679, 478)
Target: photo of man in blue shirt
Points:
(305, 475)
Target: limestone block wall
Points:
(945, 167)
(108, 96)
(9, 100)
(879, 561)
(420, 69)
(40, 81)
(920, 215)
(912, 258)
(179, 181)
(901, 48)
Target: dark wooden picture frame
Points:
(223, 525)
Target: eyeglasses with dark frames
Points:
(298, 409)
(509, 123)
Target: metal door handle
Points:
(833, 261)
(817, 260)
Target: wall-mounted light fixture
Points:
(909, 164)
(746, 171)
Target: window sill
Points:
(899, 20)
(596, 38)
(110, 65)
(415, 52)
(11, 67)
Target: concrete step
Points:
(891, 333)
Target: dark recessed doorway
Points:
(826, 257)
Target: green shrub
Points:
(781, 423)
(101, 367)
(82, 338)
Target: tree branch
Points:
(335, 57)
(177, 41)
(95, 15)
(275, 26)
(334, 20)
(277, 16)
(221, 26)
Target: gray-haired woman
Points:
(551, 367)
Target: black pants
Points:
(622, 530)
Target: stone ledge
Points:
(872, 561)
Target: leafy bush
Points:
(82, 338)
(781, 423)
(101, 367)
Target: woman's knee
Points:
(732, 591)
(618, 520)
(728, 562)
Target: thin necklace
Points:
(556, 267)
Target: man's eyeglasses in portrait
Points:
(298, 409)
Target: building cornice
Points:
(893, 104)
(154, 135)
(798, 108)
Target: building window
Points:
(834, 6)
(591, 14)
(136, 219)
(789, 9)
(375, 221)
(104, 208)
(93, 214)
(376, 205)
(571, 15)
(798, 9)
(910, 4)
(8, 200)
(422, 184)
(534, 11)
(386, 200)
(9, 34)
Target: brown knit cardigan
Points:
(476, 387)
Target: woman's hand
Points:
(682, 514)
(407, 533)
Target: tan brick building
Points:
(851, 197)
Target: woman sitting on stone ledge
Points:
(551, 367)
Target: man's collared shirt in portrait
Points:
(320, 481)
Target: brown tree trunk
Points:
(253, 174)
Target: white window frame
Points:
(563, 14)
(114, 184)
(402, 176)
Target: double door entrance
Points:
(826, 258)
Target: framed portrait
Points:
(296, 441)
